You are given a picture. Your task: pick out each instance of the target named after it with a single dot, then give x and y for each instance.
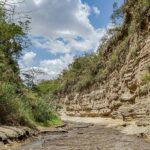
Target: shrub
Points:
(24, 109)
(10, 104)
(84, 82)
(146, 79)
(145, 89)
(43, 111)
(47, 87)
(37, 108)
(102, 75)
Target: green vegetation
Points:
(146, 79)
(48, 87)
(37, 104)
(117, 14)
(145, 82)
(19, 105)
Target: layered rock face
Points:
(125, 92)
(122, 95)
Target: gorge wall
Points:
(125, 94)
(122, 95)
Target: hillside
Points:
(114, 82)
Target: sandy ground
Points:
(129, 128)
(90, 134)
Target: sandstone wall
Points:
(122, 95)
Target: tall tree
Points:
(13, 37)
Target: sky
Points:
(63, 29)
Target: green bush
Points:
(102, 75)
(146, 79)
(46, 87)
(10, 104)
(113, 60)
(43, 111)
(84, 82)
(27, 109)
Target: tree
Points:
(117, 14)
(30, 76)
(13, 38)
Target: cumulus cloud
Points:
(66, 19)
(50, 68)
(64, 28)
(28, 58)
(52, 17)
(54, 67)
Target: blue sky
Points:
(106, 9)
(62, 29)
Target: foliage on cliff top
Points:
(91, 69)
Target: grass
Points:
(54, 122)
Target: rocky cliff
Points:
(125, 93)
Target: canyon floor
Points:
(90, 134)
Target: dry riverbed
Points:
(89, 134)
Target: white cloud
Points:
(52, 45)
(51, 17)
(28, 58)
(55, 66)
(67, 19)
(96, 10)
(66, 27)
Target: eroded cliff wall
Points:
(122, 96)
(125, 94)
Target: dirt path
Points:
(87, 136)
